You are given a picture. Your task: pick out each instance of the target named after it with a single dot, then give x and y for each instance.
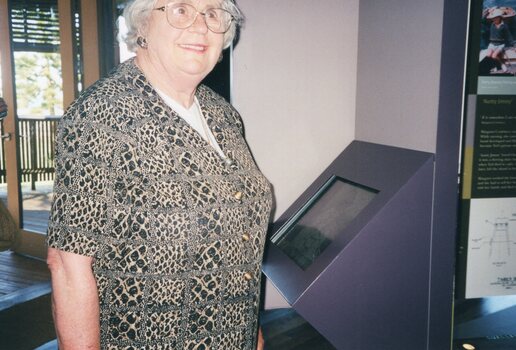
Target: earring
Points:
(142, 42)
(221, 57)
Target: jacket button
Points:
(238, 195)
(246, 237)
(248, 276)
(229, 161)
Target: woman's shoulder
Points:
(215, 102)
(105, 94)
(209, 95)
(211, 99)
(111, 86)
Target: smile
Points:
(196, 48)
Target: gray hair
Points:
(136, 15)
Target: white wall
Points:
(399, 50)
(294, 82)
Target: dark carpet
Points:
(28, 325)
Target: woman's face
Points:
(193, 51)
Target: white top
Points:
(194, 117)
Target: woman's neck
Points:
(178, 88)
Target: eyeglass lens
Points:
(181, 16)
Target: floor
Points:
(284, 329)
(487, 324)
(22, 279)
(27, 326)
(25, 316)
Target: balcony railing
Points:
(36, 149)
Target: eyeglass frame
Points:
(164, 9)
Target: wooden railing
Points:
(36, 149)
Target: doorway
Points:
(42, 69)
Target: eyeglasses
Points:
(182, 16)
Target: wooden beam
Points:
(90, 42)
(10, 125)
(66, 45)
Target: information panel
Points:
(487, 250)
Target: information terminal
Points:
(352, 253)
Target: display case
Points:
(352, 253)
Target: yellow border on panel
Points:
(467, 176)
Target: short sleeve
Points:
(79, 212)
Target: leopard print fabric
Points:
(177, 232)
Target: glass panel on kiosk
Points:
(325, 216)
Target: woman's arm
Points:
(75, 301)
(261, 342)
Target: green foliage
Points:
(38, 83)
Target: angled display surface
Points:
(352, 253)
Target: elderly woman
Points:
(160, 213)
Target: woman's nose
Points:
(199, 24)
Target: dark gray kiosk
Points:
(352, 253)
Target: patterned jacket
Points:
(176, 231)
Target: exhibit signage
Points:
(487, 247)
